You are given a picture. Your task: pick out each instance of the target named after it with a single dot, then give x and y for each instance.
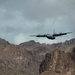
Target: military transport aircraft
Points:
(52, 37)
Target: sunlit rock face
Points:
(58, 63)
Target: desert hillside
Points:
(58, 63)
(33, 58)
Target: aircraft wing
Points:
(38, 35)
(61, 34)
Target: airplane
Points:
(53, 36)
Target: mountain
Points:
(58, 63)
(27, 58)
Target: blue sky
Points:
(21, 18)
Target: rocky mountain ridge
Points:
(25, 58)
(58, 63)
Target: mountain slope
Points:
(58, 63)
(25, 58)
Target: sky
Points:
(21, 18)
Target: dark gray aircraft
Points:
(53, 36)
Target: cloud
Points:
(15, 22)
(27, 17)
(19, 39)
(41, 9)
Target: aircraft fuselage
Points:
(52, 38)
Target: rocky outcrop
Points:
(58, 63)
(25, 58)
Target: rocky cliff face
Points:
(25, 58)
(58, 63)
